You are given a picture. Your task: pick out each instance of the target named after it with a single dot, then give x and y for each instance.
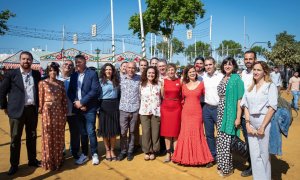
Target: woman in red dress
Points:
(192, 148)
(170, 109)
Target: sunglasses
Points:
(68, 64)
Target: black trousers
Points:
(29, 118)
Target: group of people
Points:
(178, 113)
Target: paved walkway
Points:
(285, 167)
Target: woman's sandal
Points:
(108, 158)
(168, 156)
(114, 158)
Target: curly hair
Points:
(54, 66)
(185, 74)
(114, 77)
(144, 78)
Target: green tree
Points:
(202, 49)
(161, 17)
(286, 50)
(259, 50)
(234, 48)
(177, 63)
(178, 47)
(4, 16)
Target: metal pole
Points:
(151, 48)
(244, 32)
(63, 37)
(155, 46)
(123, 43)
(210, 33)
(195, 48)
(142, 30)
(112, 29)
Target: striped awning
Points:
(17, 65)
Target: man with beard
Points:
(199, 67)
(19, 99)
(247, 77)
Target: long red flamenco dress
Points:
(192, 148)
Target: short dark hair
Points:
(144, 60)
(80, 57)
(123, 63)
(233, 62)
(198, 58)
(153, 59)
(250, 51)
(54, 66)
(27, 53)
(211, 59)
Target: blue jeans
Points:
(210, 116)
(87, 131)
(295, 99)
(74, 135)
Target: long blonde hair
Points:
(266, 70)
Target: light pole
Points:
(97, 52)
(268, 43)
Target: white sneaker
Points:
(95, 159)
(82, 159)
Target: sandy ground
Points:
(284, 167)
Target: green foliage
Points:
(259, 50)
(202, 49)
(161, 17)
(178, 47)
(286, 50)
(4, 16)
(234, 48)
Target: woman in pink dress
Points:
(192, 148)
(170, 110)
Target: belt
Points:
(171, 99)
(29, 105)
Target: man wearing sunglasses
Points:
(19, 100)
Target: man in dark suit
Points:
(84, 89)
(19, 99)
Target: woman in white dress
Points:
(260, 103)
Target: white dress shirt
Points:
(210, 84)
(276, 78)
(28, 82)
(247, 78)
(79, 84)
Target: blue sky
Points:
(264, 19)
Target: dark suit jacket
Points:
(12, 92)
(90, 90)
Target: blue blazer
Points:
(90, 90)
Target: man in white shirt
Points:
(294, 85)
(276, 78)
(247, 77)
(211, 79)
(143, 64)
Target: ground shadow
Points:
(279, 167)
(24, 170)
